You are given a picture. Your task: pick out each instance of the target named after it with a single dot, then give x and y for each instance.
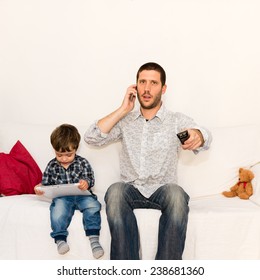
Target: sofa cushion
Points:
(256, 185)
(221, 228)
(19, 172)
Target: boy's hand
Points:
(37, 191)
(83, 185)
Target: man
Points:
(148, 165)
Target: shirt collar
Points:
(160, 114)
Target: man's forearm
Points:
(107, 123)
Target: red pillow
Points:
(19, 173)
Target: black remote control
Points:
(183, 136)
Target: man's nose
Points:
(147, 87)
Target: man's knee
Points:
(115, 203)
(173, 188)
(174, 194)
(114, 192)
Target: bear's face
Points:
(245, 175)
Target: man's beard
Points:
(155, 103)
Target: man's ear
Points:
(164, 89)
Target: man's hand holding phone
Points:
(130, 97)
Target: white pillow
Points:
(256, 185)
(216, 170)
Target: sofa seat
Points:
(221, 228)
(218, 228)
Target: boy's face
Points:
(65, 158)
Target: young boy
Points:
(68, 167)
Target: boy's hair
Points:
(65, 138)
(153, 66)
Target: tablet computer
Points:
(53, 191)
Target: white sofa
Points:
(218, 227)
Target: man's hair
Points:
(65, 138)
(153, 66)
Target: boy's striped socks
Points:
(97, 250)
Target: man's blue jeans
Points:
(121, 199)
(62, 210)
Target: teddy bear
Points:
(243, 188)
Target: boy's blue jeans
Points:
(121, 199)
(62, 210)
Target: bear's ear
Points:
(251, 175)
(240, 170)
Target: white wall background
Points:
(72, 60)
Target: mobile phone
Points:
(183, 136)
(133, 95)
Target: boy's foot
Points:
(62, 247)
(97, 250)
